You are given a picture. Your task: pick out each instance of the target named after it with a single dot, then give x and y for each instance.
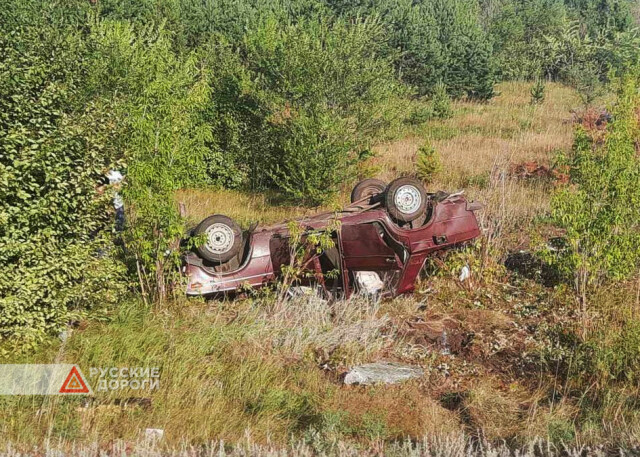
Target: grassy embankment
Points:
(272, 372)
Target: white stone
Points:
(154, 434)
(382, 372)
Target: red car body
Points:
(367, 240)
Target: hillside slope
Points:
(493, 347)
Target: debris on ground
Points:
(369, 282)
(313, 295)
(382, 372)
(153, 434)
(443, 334)
(593, 119)
(465, 273)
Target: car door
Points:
(364, 248)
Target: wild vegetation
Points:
(268, 110)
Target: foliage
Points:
(585, 78)
(537, 92)
(298, 105)
(441, 102)
(428, 163)
(558, 36)
(419, 114)
(600, 209)
(168, 145)
(613, 353)
(470, 67)
(519, 29)
(440, 40)
(305, 246)
(55, 263)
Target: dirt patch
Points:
(444, 334)
(529, 266)
(533, 170)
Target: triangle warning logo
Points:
(74, 384)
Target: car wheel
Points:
(406, 199)
(368, 188)
(223, 238)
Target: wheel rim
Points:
(407, 199)
(220, 238)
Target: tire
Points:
(371, 188)
(406, 199)
(223, 238)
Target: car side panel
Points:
(257, 271)
(364, 248)
(452, 224)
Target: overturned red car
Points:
(388, 229)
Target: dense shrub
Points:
(52, 156)
(441, 102)
(440, 40)
(537, 92)
(412, 30)
(160, 98)
(428, 163)
(600, 209)
(519, 30)
(297, 104)
(561, 38)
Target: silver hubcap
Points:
(407, 199)
(220, 238)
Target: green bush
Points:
(585, 78)
(441, 102)
(469, 64)
(296, 104)
(161, 98)
(428, 163)
(538, 92)
(441, 40)
(419, 114)
(55, 263)
(557, 36)
(600, 209)
(520, 30)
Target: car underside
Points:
(389, 230)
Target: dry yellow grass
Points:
(478, 145)
(497, 413)
(244, 207)
(505, 130)
(405, 408)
